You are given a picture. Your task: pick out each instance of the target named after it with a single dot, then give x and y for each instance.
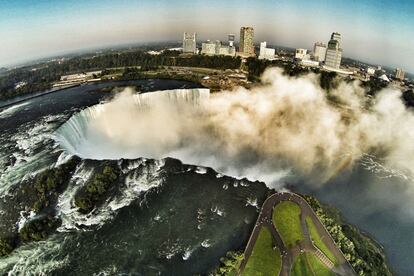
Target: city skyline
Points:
(375, 32)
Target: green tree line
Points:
(41, 76)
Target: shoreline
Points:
(19, 99)
(16, 100)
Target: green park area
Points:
(316, 238)
(286, 218)
(265, 258)
(307, 264)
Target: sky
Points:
(378, 32)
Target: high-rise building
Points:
(399, 74)
(319, 52)
(334, 52)
(336, 36)
(246, 41)
(266, 53)
(189, 43)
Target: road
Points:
(289, 254)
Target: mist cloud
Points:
(287, 124)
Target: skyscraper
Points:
(246, 41)
(189, 43)
(319, 51)
(399, 74)
(334, 52)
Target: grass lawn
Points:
(307, 264)
(318, 241)
(264, 260)
(286, 218)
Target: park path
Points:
(288, 255)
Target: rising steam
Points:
(286, 123)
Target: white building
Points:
(266, 53)
(216, 48)
(384, 78)
(309, 63)
(334, 52)
(319, 52)
(189, 43)
(208, 48)
(371, 71)
(227, 51)
(80, 76)
(301, 54)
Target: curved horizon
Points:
(376, 32)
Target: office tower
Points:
(246, 41)
(266, 53)
(334, 52)
(319, 52)
(189, 43)
(399, 74)
(336, 36)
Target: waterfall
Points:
(90, 133)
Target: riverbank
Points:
(19, 99)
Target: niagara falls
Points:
(257, 138)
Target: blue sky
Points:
(380, 32)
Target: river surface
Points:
(180, 224)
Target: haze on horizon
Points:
(378, 32)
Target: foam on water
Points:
(31, 149)
(7, 112)
(34, 258)
(140, 176)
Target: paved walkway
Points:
(306, 245)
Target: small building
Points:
(399, 74)
(266, 53)
(371, 71)
(309, 63)
(301, 54)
